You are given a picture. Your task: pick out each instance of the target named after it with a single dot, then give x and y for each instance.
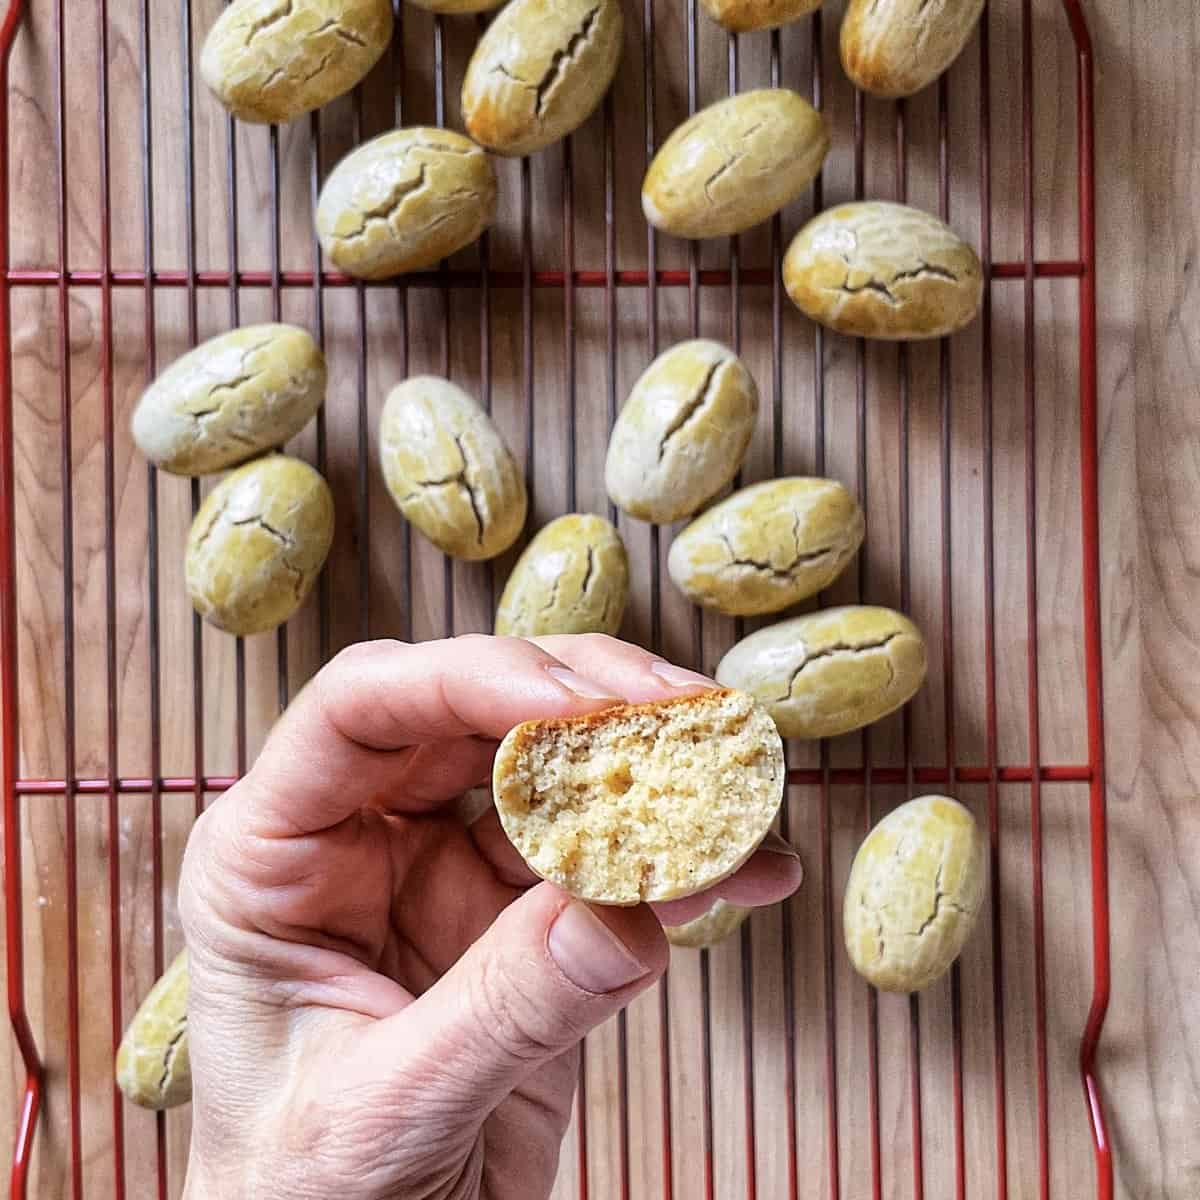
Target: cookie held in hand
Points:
(642, 801)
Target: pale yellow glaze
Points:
(456, 6)
(448, 469)
(404, 201)
(230, 398)
(734, 164)
(831, 671)
(274, 60)
(882, 270)
(741, 16)
(682, 433)
(914, 894)
(709, 928)
(153, 1066)
(896, 47)
(768, 546)
(258, 543)
(572, 578)
(539, 71)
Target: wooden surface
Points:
(1150, 485)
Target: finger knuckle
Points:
(481, 639)
(517, 650)
(598, 643)
(336, 698)
(361, 654)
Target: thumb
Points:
(548, 970)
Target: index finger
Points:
(341, 744)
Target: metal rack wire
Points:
(649, 280)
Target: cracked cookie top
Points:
(404, 201)
(894, 48)
(742, 16)
(882, 270)
(153, 1064)
(682, 433)
(448, 469)
(230, 398)
(539, 71)
(829, 672)
(768, 546)
(914, 892)
(572, 578)
(274, 60)
(258, 543)
(734, 164)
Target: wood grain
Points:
(1149, 326)
(773, 1027)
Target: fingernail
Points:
(681, 676)
(579, 684)
(774, 844)
(589, 954)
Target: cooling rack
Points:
(138, 219)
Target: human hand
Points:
(384, 1001)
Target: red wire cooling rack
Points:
(647, 284)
